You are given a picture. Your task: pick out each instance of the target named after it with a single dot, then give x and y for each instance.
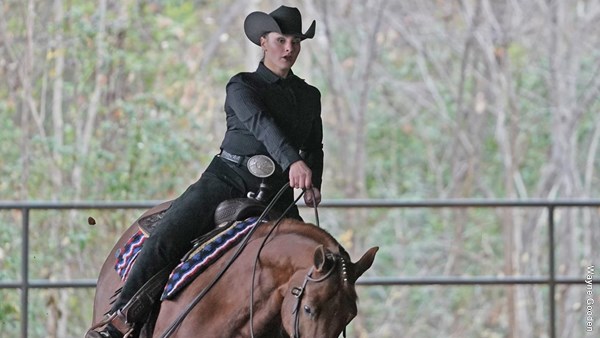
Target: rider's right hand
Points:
(300, 175)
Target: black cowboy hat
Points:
(283, 20)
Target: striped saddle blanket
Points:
(201, 256)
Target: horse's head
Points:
(320, 302)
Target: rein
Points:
(262, 245)
(298, 292)
(171, 329)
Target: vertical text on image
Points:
(589, 308)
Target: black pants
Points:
(190, 216)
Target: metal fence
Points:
(551, 280)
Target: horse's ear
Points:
(364, 263)
(320, 258)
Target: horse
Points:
(293, 279)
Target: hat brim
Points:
(259, 23)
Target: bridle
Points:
(298, 292)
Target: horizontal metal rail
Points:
(25, 284)
(365, 281)
(338, 203)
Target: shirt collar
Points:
(271, 77)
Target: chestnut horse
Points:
(302, 285)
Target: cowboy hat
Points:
(283, 20)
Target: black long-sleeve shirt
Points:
(278, 117)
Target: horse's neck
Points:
(289, 251)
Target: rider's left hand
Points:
(312, 195)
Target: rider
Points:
(271, 112)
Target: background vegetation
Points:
(422, 99)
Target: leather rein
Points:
(296, 291)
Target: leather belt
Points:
(241, 160)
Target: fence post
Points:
(552, 279)
(25, 272)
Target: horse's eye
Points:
(307, 310)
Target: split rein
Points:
(298, 292)
(262, 246)
(171, 329)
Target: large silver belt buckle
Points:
(261, 166)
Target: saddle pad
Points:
(126, 256)
(204, 255)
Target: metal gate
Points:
(551, 280)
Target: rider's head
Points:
(279, 34)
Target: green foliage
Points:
(10, 137)
(159, 69)
(9, 314)
(10, 237)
